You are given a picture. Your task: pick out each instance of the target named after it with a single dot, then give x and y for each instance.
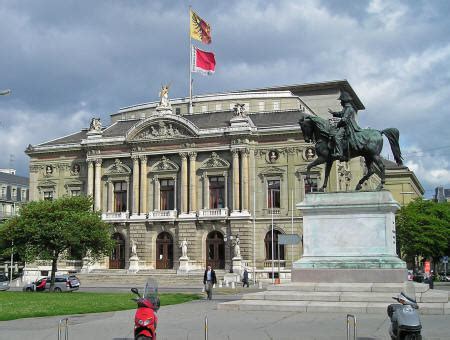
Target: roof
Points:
(205, 120)
(14, 179)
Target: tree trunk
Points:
(54, 269)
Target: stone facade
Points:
(160, 176)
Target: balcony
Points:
(212, 214)
(270, 211)
(115, 216)
(268, 263)
(162, 215)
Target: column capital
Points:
(245, 151)
(90, 162)
(143, 158)
(235, 152)
(192, 155)
(98, 161)
(183, 155)
(135, 157)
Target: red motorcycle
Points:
(145, 319)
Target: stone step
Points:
(327, 307)
(347, 287)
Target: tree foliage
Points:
(46, 230)
(423, 229)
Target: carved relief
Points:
(271, 171)
(164, 164)
(309, 153)
(214, 162)
(344, 176)
(75, 170)
(162, 130)
(118, 168)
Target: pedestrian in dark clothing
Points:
(209, 280)
(245, 278)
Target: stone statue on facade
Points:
(183, 246)
(96, 125)
(237, 247)
(164, 97)
(347, 140)
(133, 248)
(239, 110)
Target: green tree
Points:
(423, 229)
(48, 229)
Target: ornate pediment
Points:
(46, 184)
(164, 165)
(163, 130)
(272, 171)
(118, 168)
(215, 162)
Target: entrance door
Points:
(164, 251)
(117, 258)
(215, 250)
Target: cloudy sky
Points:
(67, 61)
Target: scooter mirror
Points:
(135, 291)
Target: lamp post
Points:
(12, 261)
(229, 241)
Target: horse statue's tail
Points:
(392, 135)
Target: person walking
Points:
(209, 280)
(245, 278)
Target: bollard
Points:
(220, 283)
(206, 327)
(351, 317)
(260, 285)
(226, 284)
(63, 324)
(233, 285)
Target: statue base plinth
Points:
(232, 277)
(349, 237)
(237, 265)
(134, 264)
(184, 265)
(162, 110)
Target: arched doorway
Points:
(215, 250)
(117, 257)
(268, 246)
(164, 251)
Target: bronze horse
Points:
(368, 144)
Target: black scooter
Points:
(405, 321)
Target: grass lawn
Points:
(18, 305)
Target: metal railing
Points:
(351, 321)
(63, 328)
(268, 264)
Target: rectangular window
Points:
(177, 110)
(75, 192)
(48, 195)
(273, 193)
(276, 106)
(216, 192)
(14, 194)
(23, 196)
(218, 107)
(204, 108)
(167, 194)
(3, 192)
(120, 196)
(311, 184)
(261, 106)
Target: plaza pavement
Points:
(186, 321)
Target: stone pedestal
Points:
(134, 264)
(231, 277)
(349, 237)
(184, 265)
(237, 265)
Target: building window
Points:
(268, 246)
(276, 106)
(273, 193)
(48, 195)
(261, 106)
(204, 108)
(311, 184)
(14, 193)
(167, 190)
(177, 110)
(216, 192)
(3, 192)
(23, 195)
(75, 192)
(218, 107)
(120, 196)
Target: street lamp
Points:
(5, 92)
(229, 241)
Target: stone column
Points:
(245, 183)
(225, 175)
(251, 179)
(90, 179)
(205, 190)
(175, 192)
(193, 181)
(236, 195)
(157, 193)
(135, 208)
(110, 195)
(98, 179)
(184, 183)
(143, 184)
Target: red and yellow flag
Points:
(200, 29)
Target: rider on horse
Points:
(347, 127)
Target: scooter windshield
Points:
(151, 292)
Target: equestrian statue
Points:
(347, 140)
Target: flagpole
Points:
(190, 63)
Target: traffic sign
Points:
(445, 259)
(289, 239)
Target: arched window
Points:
(268, 245)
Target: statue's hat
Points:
(345, 97)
